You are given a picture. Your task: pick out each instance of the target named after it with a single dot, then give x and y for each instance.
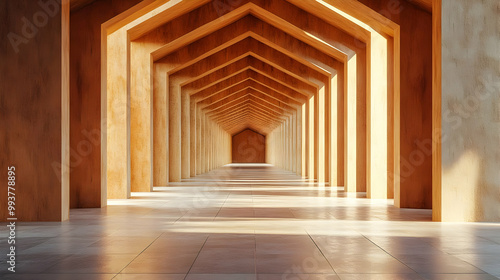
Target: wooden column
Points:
(207, 145)
(286, 139)
(141, 122)
(193, 137)
(86, 190)
(212, 144)
(377, 120)
(34, 119)
(305, 140)
(174, 135)
(293, 135)
(311, 172)
(186, 136)
(325, 106)
(116, 165)
(160, 127)
(203, 142)
(436, 110)
(292, 144)
(335, 132)
(320, 149)
(300, 141)
(351, 178)
(198, 141)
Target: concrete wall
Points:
(249, 147)
(470, 177)
(34, 108)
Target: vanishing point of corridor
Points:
(254, 221)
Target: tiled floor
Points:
(253, 222)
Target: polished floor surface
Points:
(253, 222)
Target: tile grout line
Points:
(454, 255)
(197, 255)
(137, 255)
(222, 206)
(420, 275)
(326, 259)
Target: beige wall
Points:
(470, 110)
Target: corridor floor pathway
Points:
(252, 222)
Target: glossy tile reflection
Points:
(253, 222)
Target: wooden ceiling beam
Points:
(250, 73)
(228, 95)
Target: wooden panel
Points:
(249, 147)
(34, 110)
(85, 177)
(415, 123)
(141, 121)
(436, 111)
(116, 164)
(425, 4)
(416, 109)
(160, 129)
(186, 136)
(193, 136)
(78, 4)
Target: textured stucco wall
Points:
(471, 110)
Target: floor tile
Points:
(438, 264)
(112, 263)
(380, 277)
(122, 276)
(297, 277)
(460, 277)
(221, 277)
(253, 222)
(38, 276)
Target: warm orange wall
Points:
(249, 147)
(30, 111)
(85, 177)
(416, 108)
(416, 99)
